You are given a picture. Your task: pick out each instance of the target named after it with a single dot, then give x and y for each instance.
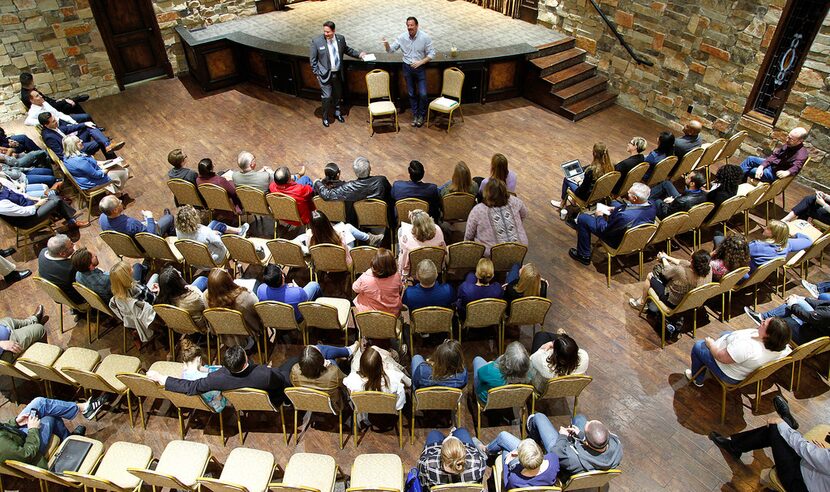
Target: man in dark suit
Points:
(236, 372)
(326, 58)
(93, 138)
(67, 105)
(415, 188)
(622, 217)
(635, 149)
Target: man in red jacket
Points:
(299, 190)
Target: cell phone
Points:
(827, 438)
(33, 413)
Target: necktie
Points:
(333, 49)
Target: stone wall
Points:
(707, 55)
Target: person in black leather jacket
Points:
(693, 195)
(332, 188)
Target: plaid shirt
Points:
(431, 473)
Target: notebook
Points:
(71, 456)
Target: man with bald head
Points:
(784, 161)
(586, 445)
(690, 139)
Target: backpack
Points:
(413, 483)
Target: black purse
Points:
(71, 456)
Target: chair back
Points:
(731, 279)
(374, 402)
(603, 187)
(377, 324)
(453, 83)
(377, 84)
(13, 371)
(823, 349)
(508, 396)
(530, 310)
(634, 239)
(185, 192)
(764, 371)
(177, 319)
(485, 312)
(697, 296)
(335, 210)
(686, 164)
(596, 479)
(249, 400)
(710, 153)
(763, 271)
(93, 299)
(635, 175)
(434, 253)
(318, 315)
(140, 385)
(57, 295)
(462, 257)
(460, 487)
(432, 319)
(242, 250)
(283, 207)
(286, 253)
(277, 315)
(252, 200)
(371, 213)
(805, 350)
(216, 197)
(310, 400)
(726, 210)
(668, 227)
(406, 205)
(436, 398)
(90, 380)
(224, 321)
(38, 473)
(563, 386)
(362, 257)
(159, 248)
(457, 206)
(697, 215)
(121, 244)
(181, 400)
(329, 258)
(732, 145)
(775, 189)
(216, 485)
(662, 170)
(196, 254)
(505, 255)
(47, 373)
(815, 249)
(754, 195)
(156, 479)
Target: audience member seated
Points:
(318, 369)
(54, 265)
(416, 188)
(176, 159)
(497, 219)
(38, 105)
(190, 355)
(500, 171)
(635, 149)
(665, 148)
(68, 105)
(451, 459)
(16, 335)
(808, 319)
(274, 288)
(132, 302)
(445, 368)
(610, 230)
(525, 464)
(87, 273)
(461, 182)
(208, 176)
(321, 231)
(236, 372)
(582, 188)
(734, 355)
(820, 290)
(17, 143)
(248, 175)
(89, 173)
(428, 291)
(300, 190)
(585, 446)
(727, 179)
(376, 371)
(24, 212)
(524, 281)
(113, 219)
(224, 293)
(189, 226)
(419, 232)
(690, 139)
(478, 285)
(175, 291)
(26, 437)
(784, 161)
(53, 133)
(34, 164)
(365, 186)
(776, 243)
(733, 253)
(512, 367)
(379, 287)
(674, 202)
(18, 180)
(813, 206)
(555, 355)
(9, 271)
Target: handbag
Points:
(71, 456)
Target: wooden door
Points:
(133, 40)
(528, 10)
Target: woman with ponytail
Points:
(452, 459)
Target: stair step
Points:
(580, 109)
(559, 61)
(554, 47)
(582, 90)
(570, 76)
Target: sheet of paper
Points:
(369, 57)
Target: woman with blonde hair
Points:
(500, 171)
(88, 172)
(223, 292)
(461, 182)
(525, 464)
(451, 459)
(524, 281)
(132, 301)
(419, 232)
(478, 285)
(189, 226)
(777, 243)
(584, 184)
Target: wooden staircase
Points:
(559, 78)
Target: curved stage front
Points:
(272, 49)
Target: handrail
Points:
(625, 45)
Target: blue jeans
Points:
(701, 356)
(40, 175)
(166, 226)
(436, 436)
(93, 139)
(333, 353)
(567, 184)
(478, 363)
(513, 274)
(26, 143)
(504, 443)
(783, 310)
(51, 414)
(750, 166)
(541, 430)
(217, 226)
(416, 87)
(663, 190)
(81, 117)
(417, 360)
(357, 233)
(36, 191)
(312, 290)
(304, 180)
(200, 283)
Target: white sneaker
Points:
(243, 231)
(811, 288)
(556, 203)
(689, 377)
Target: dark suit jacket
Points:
(319, 56)
(720, 195)
(624, 166)
(254, 376)
(622, 218)
(681, 204)
(53, 139)
(686, 143)
(423, 191)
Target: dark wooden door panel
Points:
(528, 11)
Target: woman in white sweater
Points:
(373, 369)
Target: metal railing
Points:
(634, 55)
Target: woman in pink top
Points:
(422, 233)
(379, 288)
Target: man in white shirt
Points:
(417, 51)
(39, 105)
(326, 58)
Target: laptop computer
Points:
(573, 171)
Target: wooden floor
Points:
(639, 389)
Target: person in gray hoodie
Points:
(586, 445)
